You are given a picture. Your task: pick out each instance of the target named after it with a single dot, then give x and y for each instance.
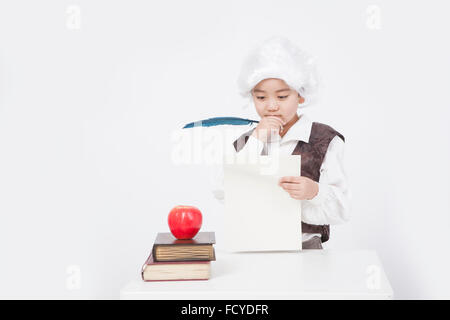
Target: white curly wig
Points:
(277, 57)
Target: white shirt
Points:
(332, 203)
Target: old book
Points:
(168, 248)
(175, 270)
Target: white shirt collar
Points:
(300, 130)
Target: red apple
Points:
(185, 221)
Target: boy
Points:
(278, 77)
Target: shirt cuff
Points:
(321, 195)
(254, 144)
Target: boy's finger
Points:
(277, 119)
(289, 186)
(275, 123)
(289, 179)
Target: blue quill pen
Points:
(217, 121)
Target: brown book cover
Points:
(167, 238)
(170, 271)
(168, 248)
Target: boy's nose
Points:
(273, 106)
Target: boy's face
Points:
(273, 97)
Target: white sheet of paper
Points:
(259, 214)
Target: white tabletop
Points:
(308, 274)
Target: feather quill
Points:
(217, 121)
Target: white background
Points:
(90, 95)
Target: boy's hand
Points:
(300, 188)
(268, 126)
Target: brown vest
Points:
(312, 154)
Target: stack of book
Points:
(174, 259)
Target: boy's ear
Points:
(300, 98)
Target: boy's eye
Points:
(279, 97)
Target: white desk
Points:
(309, 274)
